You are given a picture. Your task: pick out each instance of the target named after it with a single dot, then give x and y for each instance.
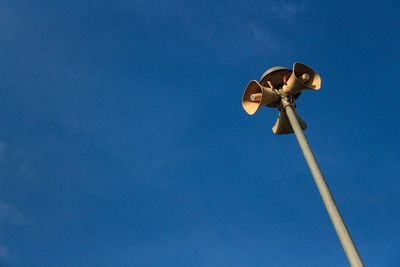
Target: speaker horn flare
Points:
(256, 96)
(302, 78)
(283, 126)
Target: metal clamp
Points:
(286, 100)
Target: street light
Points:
(279, 87)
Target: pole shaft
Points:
(337, 221)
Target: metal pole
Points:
(337, 221)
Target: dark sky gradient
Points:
(123, 141)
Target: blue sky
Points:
(123, 141)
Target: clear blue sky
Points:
(123, 141)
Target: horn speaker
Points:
(256, 96)
(283, 126)
(302, 78)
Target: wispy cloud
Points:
(11, 215)
(4, 252)
(286, 11)
(280, 12)
(263, 36)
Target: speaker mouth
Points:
(250, 106)
(314, 82)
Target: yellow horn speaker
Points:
(283, 126)
(302, 78)
(256, 96)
